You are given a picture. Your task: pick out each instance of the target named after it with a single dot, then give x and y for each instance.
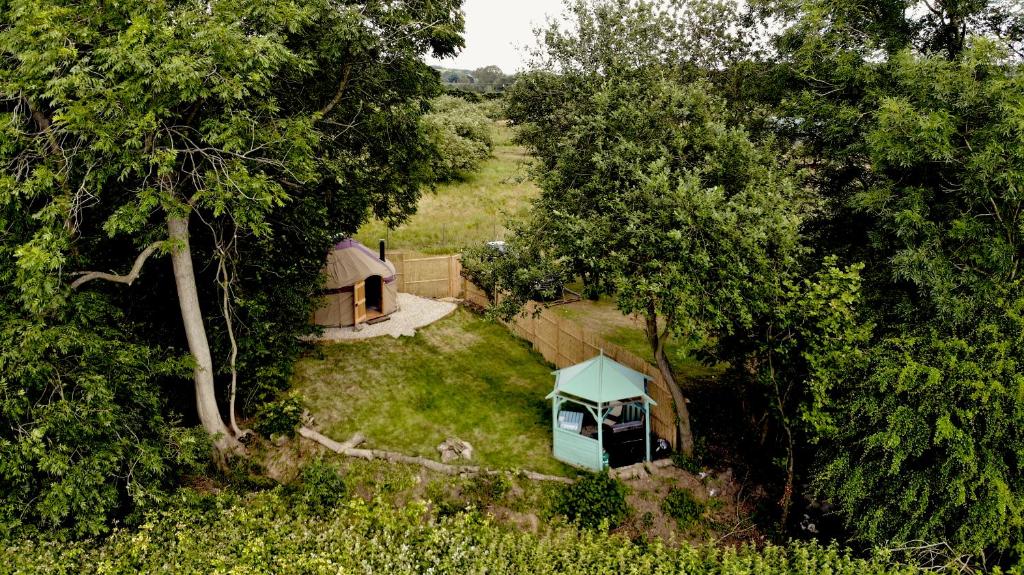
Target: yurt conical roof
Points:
(350, 262)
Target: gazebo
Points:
(594, 403)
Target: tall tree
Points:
(132, 123)
(908, 119)
(648, 193)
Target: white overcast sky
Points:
(497, 31)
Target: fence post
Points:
(400, 270)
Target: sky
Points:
(497, 31)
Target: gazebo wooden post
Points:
(554, 420)
(647, 429)
(600, 437)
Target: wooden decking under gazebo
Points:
(596, 405)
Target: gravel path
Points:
(413, 312)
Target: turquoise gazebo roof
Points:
(601, 380)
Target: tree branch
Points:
(345, 74)
(349, 448)
(125, 279)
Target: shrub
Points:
(279, 418)
(459, 135)
(685, 462)
(484, 490)
(245, 474)
(320, 485)
(681, 506)
(493, 109)
(592, 499)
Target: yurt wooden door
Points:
(359, 302)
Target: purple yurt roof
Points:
(351, 262)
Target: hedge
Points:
(273, 532)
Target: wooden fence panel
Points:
(570, 338)
(546, 337)
(474, 295)
(435, 277)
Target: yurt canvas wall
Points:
(351, 266)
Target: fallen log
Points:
(349, 449)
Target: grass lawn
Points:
(464, 377)
(475, 210)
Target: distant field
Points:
(462, 213)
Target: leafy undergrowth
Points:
(278, 531)
(464, 376)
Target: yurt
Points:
(360, 286)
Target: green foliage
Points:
(119, 116)
(915, 148)
(451, 497)
(246, 474)
(594, 500)
(685, 462)
(924, 437)
(680, 505)
(279, 418)
(493, 108)
(268, 533)
(484, 490)
(84, 434)
(459, 134)
(522, 271)
(320, 486)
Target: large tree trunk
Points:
(195, 331)
(684, 434)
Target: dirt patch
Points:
(725, 517)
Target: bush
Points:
(493, 109)
(685, 462)
(479, 492)
(592, 499)
(320, 486)
(459, 135)
(279, 418)
(84, 434)
(681, 506)
(484, 490)
(245, 474)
